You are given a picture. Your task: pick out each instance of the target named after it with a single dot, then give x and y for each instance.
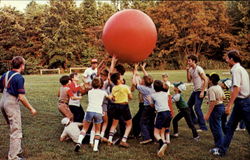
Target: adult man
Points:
(91, 72)
(12, 86)
(240, 93)
(197, 75)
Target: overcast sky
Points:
(21, 4)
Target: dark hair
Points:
(158, 85)
(72, 75)
(120, 69)
(214, 78)
(208, 75)
(115, 77)
(64, 80)
(193, 58)
(105, 72)
(148, 80)
(235, 55)
(17, 61)
(96, 83)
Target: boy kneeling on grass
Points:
(94, 113)
(159, 100)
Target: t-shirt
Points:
(72, 130)
(90, 74)
(95, 98)
(120, 93)
(215, 93)
(168, 83)
(160, 100)
(195, 74)
(145, 91)
(15, 85)
(74, 90)
(64, 97)
(179, 101)
(240, 78)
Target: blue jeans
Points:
(241, 111)
(215, 124)
(147, 123)
(196, 101)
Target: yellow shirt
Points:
(120, 93)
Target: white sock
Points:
(168, 138)
(92, 136)
(124, 139)
(96, 143)
(111, 136)
(102, 134)
(81, 137)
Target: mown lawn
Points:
(42, 132)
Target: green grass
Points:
(42, 132)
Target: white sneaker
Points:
(213, 150)
(161, 152)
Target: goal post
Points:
(71, 69)
(50, 70)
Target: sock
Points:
(124, 139)
(102, 134)
(111, 134)
(96, 142)
(168, 138)
(81, 137)
(92, 136)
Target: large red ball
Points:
(130, 35)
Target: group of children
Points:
(108, 106)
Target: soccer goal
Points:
(47, 71)
(72, 69)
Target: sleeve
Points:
(64, 134)
(86, 72)
(140, 88)
(200, 70)
(236, 77)
(70, 92)
(20, 86)
(128, 90)
(211, 95)
(176, 98)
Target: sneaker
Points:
(77, 147)
(95, 149)
(20, 158)
(217, 153)
(110, 143)
(161, 152)
(199, 130)
(213, 150)
(197, 138)
(146, 141)
(124, 144)
(104, 139)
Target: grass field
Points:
(42, 132)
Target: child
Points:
(166, 86)
(159, 100)
(166, 82)
(184, 110)
(148, 113)
(225, 85)
(71, 130)
(75, 104)
(216, 109)
(94, 113)
(64, 97)
(120, 93)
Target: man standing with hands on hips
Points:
(12, 87)
(197, 75)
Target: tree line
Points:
(62, 34)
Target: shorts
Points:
(94, 117)
(163, 119)
(121, 110)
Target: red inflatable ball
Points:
(130, 35)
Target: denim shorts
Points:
(163, 119)
(94, 117)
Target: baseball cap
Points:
(65, 121)
(180, 85)
(227, 82)
(94, 60)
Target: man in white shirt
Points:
(91, 72)
(240, 93)
(196, 74)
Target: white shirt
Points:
(215, 93)
(160, 100)
(196, 78)
(90, 74)
(72, 130)
(96, 97)
(240, 78)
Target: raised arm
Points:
(143, 69)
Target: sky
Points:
(21, 4)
